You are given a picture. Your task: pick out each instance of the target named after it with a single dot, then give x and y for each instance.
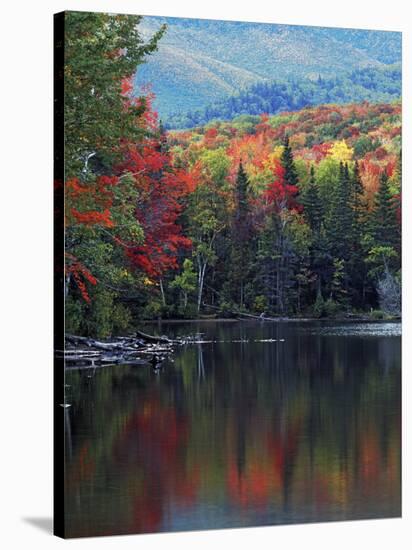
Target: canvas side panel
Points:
(59, 411)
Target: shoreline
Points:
(274, 320)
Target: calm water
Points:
(268, 424)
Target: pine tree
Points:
(339, 227)
(341, 222)
(346, 209)
(357, 269)
(384, 222)
(312, 205)
(357, 201)
(241, 245)
(358, 214)
(291, 175)
(313, 214)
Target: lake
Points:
(262, 424)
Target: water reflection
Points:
(237, 434)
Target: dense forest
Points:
(382, 84)
(296, 214)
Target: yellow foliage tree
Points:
(340, 151)
(277, 152)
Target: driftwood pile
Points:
(140, 349)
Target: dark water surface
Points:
(303, 426)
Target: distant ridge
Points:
(376, 85)
(200, 62)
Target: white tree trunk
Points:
(201, 279)
(162, 292)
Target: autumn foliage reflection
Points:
(297, 440)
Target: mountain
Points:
(201, 61)
(381, 84)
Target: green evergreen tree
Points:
(384, 222)
(357, 194)
(291, 175)
(357, 268)
(341, 220)
(312, 207)
(241, 233)
(241, 191)
(313, 211)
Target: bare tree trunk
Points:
(86, 162)
(67, 284)
(162, 292)
(201, 279)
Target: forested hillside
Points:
(369, 84)
(199, 62)
(296, 214)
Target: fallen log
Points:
(261, 317)
(77, 353)
(90, 342)
(88, 352)
(157, 339)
